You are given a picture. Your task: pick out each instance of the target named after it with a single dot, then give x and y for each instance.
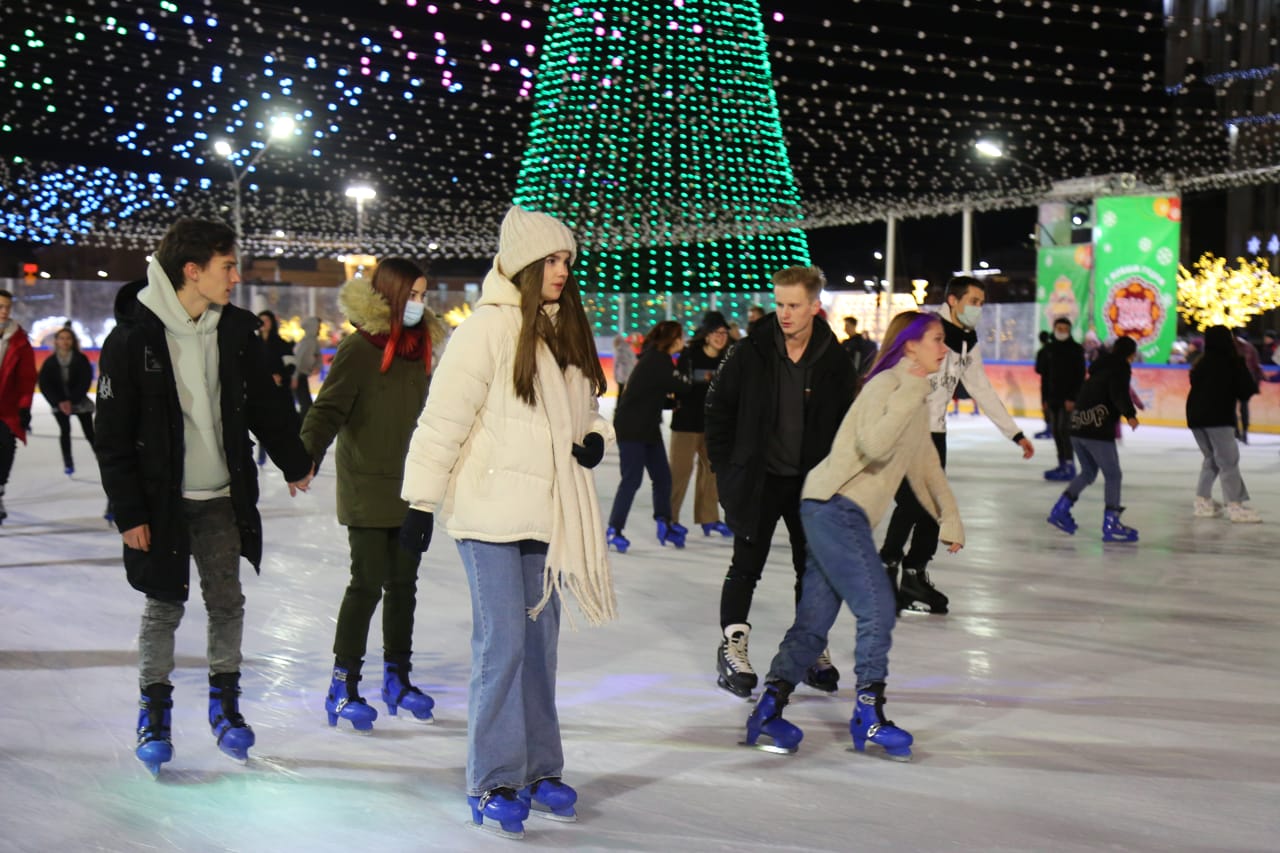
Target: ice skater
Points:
(370, 402)
(883, 442)
(1059, 383)
(502, 453)
(960, 316)
(1220, 381)
(1103, 400)
(17, 387)
(65, 378)
(182, 382)
(699, 361)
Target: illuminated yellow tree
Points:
(1218, 295)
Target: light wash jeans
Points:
(1096, 454)
(1221, 461)
(215, 546)
(843, 565)
(513, 732)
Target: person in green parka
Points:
(370, 401)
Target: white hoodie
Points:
(965, 366)
(193, 351)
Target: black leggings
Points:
(1061, 420)
(910, 520)
(64, 432)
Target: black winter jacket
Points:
(701, 368)
(639, 413)
(742, 408)
(79, 378)
(1103, 399)
(1217, 386)
(140, 440)
(1062, 372)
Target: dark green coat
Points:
(372, 414)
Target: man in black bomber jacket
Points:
(182, 382)
(772, 412)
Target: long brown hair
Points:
(393, 280)
(663, 335)
(569, 337)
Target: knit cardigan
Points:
(884, 437)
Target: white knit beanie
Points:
(527, 236)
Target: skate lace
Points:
(824, 660)
(736, 654)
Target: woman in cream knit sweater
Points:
(502, 455)
(883, 438)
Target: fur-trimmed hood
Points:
(365, 308)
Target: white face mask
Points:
(969, 316)
(413, 312)
(1061, 336)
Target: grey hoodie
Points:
(193, 350)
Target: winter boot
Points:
(917, 594)
(551, 799)
(155, 711)
(766, 719)
(868, 724)
(1241, 514)
(344, 699)
(502, 806)
(670, 531)
(1113, 530)
(615, 538)
(823, 675)
(397, 692)
(735, 672)
(1207, 508)
(1060, 515)
(717, 527)
(228, 725)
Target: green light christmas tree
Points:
(656, 137)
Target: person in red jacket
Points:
(17, 385)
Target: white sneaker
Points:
(1241, 514)
(1207, 508)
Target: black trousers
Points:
(302, 395)
(1061, 426)
(381, 571)
(64, 432)
(780, 500)
(8, 447)
(910, 520)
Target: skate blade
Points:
(769, 747)
(902, 759)
(496, 829)
(547, 814)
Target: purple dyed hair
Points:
(892, 351)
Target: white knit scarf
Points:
(578, 556)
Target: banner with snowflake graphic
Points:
(1062, 286)
(1136, 272)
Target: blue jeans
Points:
(1096, 454)
(636, 457)
(843, 565)
(513, 732)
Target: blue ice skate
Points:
(345, 702)
(673, 532)
(1113, 530)
(552, 799)
(615, 538)
(504, 811)
(397, 692)
(1060, 516)
(1065, 472)
(228, 725)
(869, 725)
(154, 715)
(766, 720)
(717, 527)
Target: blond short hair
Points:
(810, 277)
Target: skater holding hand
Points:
(502, 454)
(883, 441)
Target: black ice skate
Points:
(917, 594)
(735, 672)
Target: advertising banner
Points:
(1062, 286)
(1136, 272)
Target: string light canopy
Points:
(112, 112)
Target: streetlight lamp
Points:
(361, 193)
(282, 127)
(989, 148)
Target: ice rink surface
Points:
(1078, 696)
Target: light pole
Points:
(361, 193)
(281, 128)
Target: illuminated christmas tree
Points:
(1218, 295)
(656, 137)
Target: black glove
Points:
(24, 419)
(591, 451)
(415, 531)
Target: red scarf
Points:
(410, 344)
